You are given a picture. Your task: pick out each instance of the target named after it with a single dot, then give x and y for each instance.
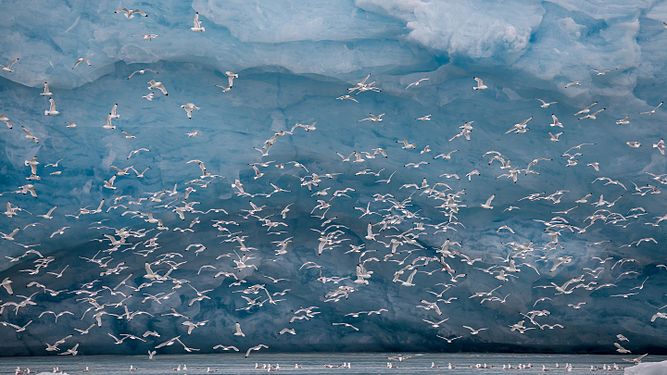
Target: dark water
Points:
(360, 363)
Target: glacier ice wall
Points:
(292, 62)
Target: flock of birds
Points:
(141, 277)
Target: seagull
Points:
(544, 104)
(108, 184)
(109, 124)
(7, 285)
(555, 137)
(231, 76)
(226, 348)
(189, 108)
(621, 349)
(416, 83)
(348, 325)
(10, 65)
(81, 60)
(449, 339)
(623, 121)
(134, 152)
(474, 331)
(555, 122)
(9, 123)
(129, 13)
(520, 127)
(45, 90)
(9, 236)
(157, 85)
(435, 324)
(54, 347)
(197, 25)
(660, 146)
(347, 97)
(73, 351)
(636, 360)
(373, 118)
(571, 84)
(652, 111)
(141, 72)
(237, 330)
(52, 109)
(150, 37)
(18, 328)
(480, 84)
(487, 205)
(29, 135)
(255, 348)
(114, 111)
(592, 115)
(291, 331)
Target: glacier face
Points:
(292, 62)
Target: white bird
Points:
(347, 97)
(660, 146)
(571, 84)
(157, 85)
(348, 325)
(9, 236)
(108, 184)
(81, 60)
(255, 348)
(16, 327)
(108, 124)
(226, 348)
(555, 137)
(237, 330)
(129, 13)
(52, 111)
(653, 111)
(140, 72)
(54, 347)
(623, 121)
(73, 351)
(134, 152)
(544, 104)
(197, 25)
(474, 331)
(487, 205)
(8, 122)
(45, 90)
(231, 76)
(621, 349)
(7, 285)
(480, 85)
(114, 111)
(373, 118)
(555, 121)
(9, 67)
(189, 108)
(416, 83)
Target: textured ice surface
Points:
(293, 61)
(649, 368)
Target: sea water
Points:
(319, 363)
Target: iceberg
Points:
(336, 155)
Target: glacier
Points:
(293, 61)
